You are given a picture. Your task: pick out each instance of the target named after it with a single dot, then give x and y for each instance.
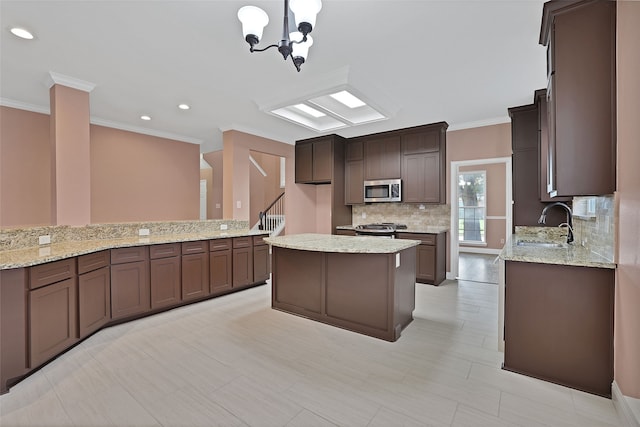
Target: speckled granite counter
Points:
(341, 244)
(40, 254)
(427, 229)
(567, 255)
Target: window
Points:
(471, 207)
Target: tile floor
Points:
(478, 267)
(233, 361)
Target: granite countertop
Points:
(341, 244)
(56, 251)
(566, 255)
(427, 229)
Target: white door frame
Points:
(455, 170)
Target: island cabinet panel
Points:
(298, 290)
(559, 324)
(580, 36)
(53, 322)
(382, 157)
(372, 310)
(195, 270)
(94, 300)
(261, 261)
(220, 266)
(130, 285)
(242, 261)
(368, 293)
(13, 326)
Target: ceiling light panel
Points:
(347, 99)
(319, 124)
(336, 105)
(309, 110)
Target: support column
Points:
(70, 151)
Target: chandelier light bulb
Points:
(305, 12)
(253, 21)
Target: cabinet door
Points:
(354, 182)
(354, 150)
(304, 162)
(94, 300)
(165, 282)
(421, 178)
(382, 158)
(426, 263)
(220, 267)
(420, 142)
(195, 276)
(242, 266)
(52, 320)
(261, 265)
(130, 289)
(322, 160)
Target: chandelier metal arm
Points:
(252, 49)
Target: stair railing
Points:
(273, 215)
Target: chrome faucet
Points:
(569, 223)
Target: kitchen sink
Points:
(541, 244)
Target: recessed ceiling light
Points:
(145, 117)
(347, 99)
(310, 111)
(183, 106)
(22, 33)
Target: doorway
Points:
(491, 223)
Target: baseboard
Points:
(450, 276)
(627, 407)
(472, 250)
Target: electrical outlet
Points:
(217, 205)
(239, 204)
(44, 240)
(422, 207)
(224, 226)
(143, 232)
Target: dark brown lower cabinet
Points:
(559, 324)
(53, 320)
(430, 256)
(261, 262)
(130, 286)
(195, 276)
(220, 267)
(165, 282)
(13, 326)
(94, 300)
(242, 261)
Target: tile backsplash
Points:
(596, 231)
(402, 213)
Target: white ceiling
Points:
(464, 62)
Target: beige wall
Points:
(134, 177)
(138, 177)
(25, 168)
(214, 188)
(264, 189)
(627, 303)
(236, 183)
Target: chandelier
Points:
(296, 44)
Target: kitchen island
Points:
(363, 284)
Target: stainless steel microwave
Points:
(384, 190)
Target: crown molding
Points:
(6, 102)
(145, 131)
(60, 79)
(480, 123)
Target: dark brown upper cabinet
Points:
(315, 160)
(580, 38)
(354, 172)
(423, 164)
(382, 159)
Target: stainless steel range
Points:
(384, 229)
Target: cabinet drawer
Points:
(241, 242)
(94, 261)
(194, 247)
(425, 239)
(259, 240)
(164, 251)
(51, 272)
(133, 254)
(219, 244)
